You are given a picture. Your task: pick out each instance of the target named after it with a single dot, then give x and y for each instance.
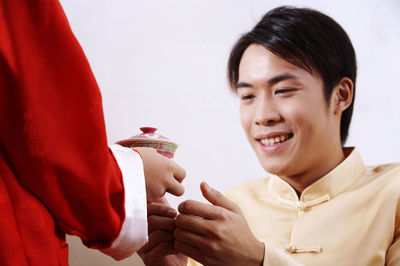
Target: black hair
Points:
(308, 39)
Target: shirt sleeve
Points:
(393, 253)
(133, 234)
(53, 133)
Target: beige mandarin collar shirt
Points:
(351, 216)
(327, 187)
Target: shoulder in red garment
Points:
(57, 173)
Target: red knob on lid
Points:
(148, 130)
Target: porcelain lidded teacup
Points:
(149, 138)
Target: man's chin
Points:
(274, 169)
(276, 164)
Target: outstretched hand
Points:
(216, 234)
(161, 174)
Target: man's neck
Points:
(301, 181)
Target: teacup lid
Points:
(148, 134)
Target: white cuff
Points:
(133, 234)
(274, 257)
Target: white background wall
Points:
(163, 63)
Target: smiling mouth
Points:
(276, 140)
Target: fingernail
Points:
(207, 187)
(172, 213)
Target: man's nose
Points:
(267, 112)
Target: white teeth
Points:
(273, 140)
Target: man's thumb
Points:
(217, 198)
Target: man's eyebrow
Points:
(280, 78)
(242, 85)
(270, 82)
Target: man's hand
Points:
(162, 174)
(216, 234)
(160, 248)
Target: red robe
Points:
(57, 174)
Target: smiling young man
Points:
(295, 75)
(293, 130)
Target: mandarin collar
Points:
(328, 186)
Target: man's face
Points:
(285, 116)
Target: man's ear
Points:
(342, 95)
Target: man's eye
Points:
(247, 97)
(283, 91)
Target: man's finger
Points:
(163, 249)
(157, 237)
(161, 223)
(192, 223)
(200, 209)
(216, 198)
(191, 238)
(189, 250)
(161, 210)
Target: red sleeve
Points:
(51, 122)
